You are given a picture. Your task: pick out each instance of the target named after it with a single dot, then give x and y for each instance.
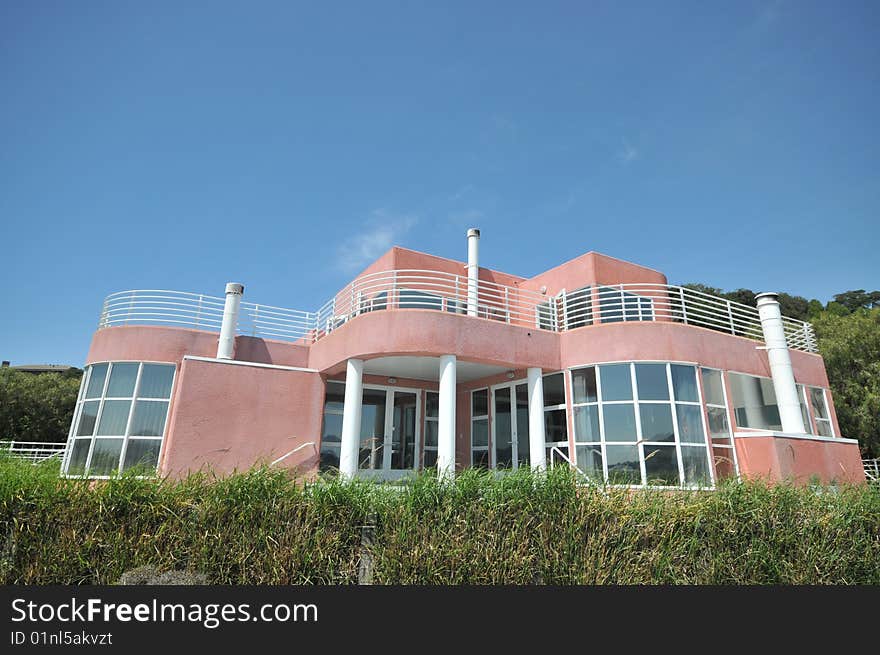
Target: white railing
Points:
(558, 457)
(872, 469)
(33, 451)
(434, 290)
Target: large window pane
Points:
(554, 390)
(616, 383)
(589, 460)
(480, 433)
(656, 422)
(430, 459)
(122, 379)
(823, 427)
(712, 387)
(652, 383)
(430, 434)
(105, 457)
(149, 418)
(480, 459)
(623, 465)
(334, 397)
(690, 423)
(76, 463)
(696, 466)
(432, 406)
(754, 402)
(96, 380)
(586, 423)
(555, 425)
(114, 417)
(684, 382)
(719, 428)
(620, 422)
(329, 458)
(332, 431)
(661, 465)
(584, 382)
(817, 402)
(142, 454)
(480, 402)
(87, 416)
(156, 381)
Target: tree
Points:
(794, 306)
(37, 407)
(850, 346)
(858, 299)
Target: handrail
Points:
(554, 450)
(448, 292)
(33, 451)
(872, 469)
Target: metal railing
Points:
(872, 469)
(447, 292)
(33, 451)
(557, 454)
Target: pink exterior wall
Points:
(227, 417)
(590, 269)
(799, 460)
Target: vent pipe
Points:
(473, 268)
(229, 326)
(780, 363)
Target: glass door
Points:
(510, 425)
(389, 432)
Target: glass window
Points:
(754, 402)
(690, 423)
(652, 382)
(820, 412)
(620, 422)
(156, 381)
(656, 422)
(334, 397)
(555, 425)
(684, 383)
(480, 402)
(97, 373)
(661, 465)
(661, 433)
(623, 465)
(432, 405)
(584, 382)
(116, 420)
(579, 308)
(414, 299)
(142, 453)
(480, 428)
(586, 423)
(554, 390)
(718, 426)
(480, 433)
(332, 431)
(696, 466)
(712, 387)
(616, 383)
(589, 460)
(122, 380)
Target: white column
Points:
(446, 418)
(351, 418)
(473, 266)
(780, 363)
(537, 438)
(226, 344)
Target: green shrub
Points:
(260, 527)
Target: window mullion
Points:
(135, 393)
(638, 418)
(98, 416)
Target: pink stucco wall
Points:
(776, 458)
(590, 269)
(228, 417)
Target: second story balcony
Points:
(416, 289)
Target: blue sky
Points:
(285, 145)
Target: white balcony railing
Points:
(433, 290)
(33, 451)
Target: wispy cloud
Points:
(627, 153)
(381, 230)
(466, 217)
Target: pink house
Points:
(425, 362)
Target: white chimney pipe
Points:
(226, 345)
(780, 363)
(473, 267)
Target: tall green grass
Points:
(260, 527)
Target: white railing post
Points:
(684, 315)
(730, 317)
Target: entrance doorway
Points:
(389, 431)
(510, 425)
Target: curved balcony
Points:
(432, 290)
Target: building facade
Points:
(426, 362)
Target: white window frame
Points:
(817, 419)
(126, 437)
(637, 403)
(432, 419)
(726, 407)
(552, 408)
(490, 446)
